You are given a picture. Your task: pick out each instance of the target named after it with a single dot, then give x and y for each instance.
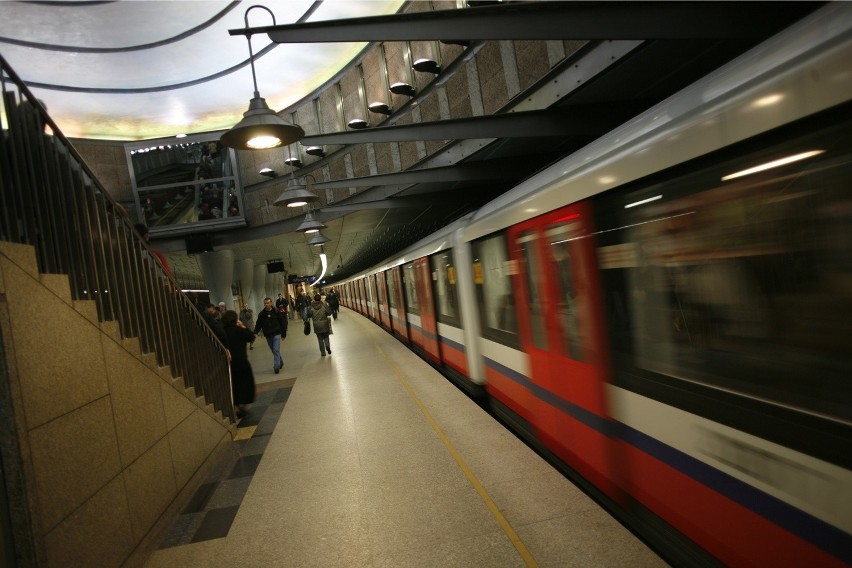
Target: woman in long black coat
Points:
(242, 376)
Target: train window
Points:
(409, 280)
(571, 302)
(535, 288)
(444, 275)
(743, 283)
(492, 274)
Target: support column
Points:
(245, 274)
(271, 290)
(259, 286)
(217, 269)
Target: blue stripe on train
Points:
(815, 531)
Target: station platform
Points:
(368, 457)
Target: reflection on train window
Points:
(445, 286)
(571, 301)
(409, 282)
(493, 278)
(526, 244)
(744, 284)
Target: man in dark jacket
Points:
(333, 302)
(274, 328)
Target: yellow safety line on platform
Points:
(495, 511)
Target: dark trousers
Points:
(324, 343)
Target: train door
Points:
(357, 295)
(372, 306)
(367, 294)
(562, 332)
(384, 313)
(422, 277)
(396, 304)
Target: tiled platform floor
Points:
(378, 461)
(213, 507)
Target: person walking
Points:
(302, 305)
(274, 328)
(210, 315)
(333, 302)
(242, 376)
(319, 312)
(247, 317)
(281, 301)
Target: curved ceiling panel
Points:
(139, 70)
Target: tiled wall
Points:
(107, 442)
(492, 74)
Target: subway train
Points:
(667, 312)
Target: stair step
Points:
(88, 308)
(22, 255)
(58, 284)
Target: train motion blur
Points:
(668, 311)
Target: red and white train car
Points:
(668, 312)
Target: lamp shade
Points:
(295, 195)
(310, 225)
(427, 66)
(315, 151)
(261, 128)
(380, 108)
(318, 240)
(402, 89)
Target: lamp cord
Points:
(248, 39)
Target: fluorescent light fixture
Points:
(643, 202)
(774, 164)
(768, 100)
(324, 261)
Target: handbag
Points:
(307, 327)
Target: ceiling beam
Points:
(474, 171)
(551, 20)
(392, 203)
(578, 120)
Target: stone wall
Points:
(101, 447)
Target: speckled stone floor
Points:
(212, 509)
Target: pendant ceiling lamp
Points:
(310, 225)
(318, 240)
(295, 195)
(261, 127)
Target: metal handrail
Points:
(51, 200)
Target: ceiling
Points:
(661, 48)
(134, 70)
